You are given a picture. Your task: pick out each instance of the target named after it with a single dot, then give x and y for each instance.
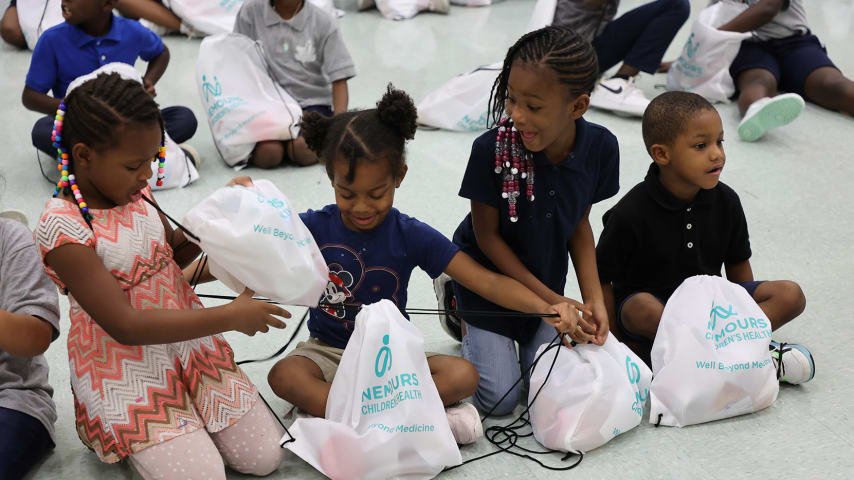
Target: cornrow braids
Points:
(95, 111)
(557, 47)
(364, 134)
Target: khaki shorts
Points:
(326, 357)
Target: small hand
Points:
(149, 87)
(244, 181)
(252, 316)
(571, 321)
(664, 67)
(598, 316)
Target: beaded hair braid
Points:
(98, 107)
(574, 61)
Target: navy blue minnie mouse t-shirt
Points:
(366, 267)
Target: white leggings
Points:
(250, 446)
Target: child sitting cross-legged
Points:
(682, 221)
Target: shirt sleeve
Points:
(616, 245)
(60, 227)
(42, 74)
(431, 250)
(26, 288)
(151, 45)
(608, 183)
(739, 247)
(480, 182)
(337, 63)
(243, 22)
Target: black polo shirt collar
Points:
(667, 200)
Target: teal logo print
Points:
(634, 374)
(718, 311)
(211, 89)
(383, 362)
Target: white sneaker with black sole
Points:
(797, 366)
(769, 113)
(451, 323)
(619, 95)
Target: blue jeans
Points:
(495, 358)
(180, 123)
(23, 442)
(641, 36)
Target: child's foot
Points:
(768, 113)
(797, 366)
(192, 154)
(619, 95)
(464, 422)
(450, 322)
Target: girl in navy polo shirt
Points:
(532, 180)
(371, 249)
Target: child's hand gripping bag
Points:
(462, 102)
(710, 357)
(592, 395)
(180, 171)
(703, 65)
(254, 239)
(384, 418)
(243, 103)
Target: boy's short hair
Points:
(666, 115)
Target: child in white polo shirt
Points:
(307, 57)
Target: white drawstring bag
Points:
(703, 65)
(710, 357)
(472, 3)
(254, 239)
(243, 103)
(384, 418)
(462, 102)
(592, 395)
(398, 9)
(210, 17)
(36, 16)
(180, 171)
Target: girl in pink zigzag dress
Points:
(152, 378)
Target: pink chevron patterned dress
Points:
(128, 398)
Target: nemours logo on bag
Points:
(396, 389)
(219, 107)
(733, 329)
(634, 373)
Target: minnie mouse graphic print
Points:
(366, 267)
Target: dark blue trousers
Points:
(23, 442)
(180, 124)
(640, 37)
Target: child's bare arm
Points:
(583, 252)
(39, 102)
(156, 68)
(24, 335)
(739, 272)
(755, 16)
(610, 302)
(485, 223)
(340, 96)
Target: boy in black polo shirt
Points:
(682, 221)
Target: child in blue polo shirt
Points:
(90, 37)
(681, 221)
(532, 181)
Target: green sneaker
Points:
(797, 366)
(769, 113)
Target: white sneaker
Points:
(767, 113)
(464, 421)
(193, 154)
(619, 96)
(798, 365)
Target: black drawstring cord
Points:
(781, 349)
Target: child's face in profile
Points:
(542, 109)
(364, 202)
(696, 157)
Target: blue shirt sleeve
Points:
(608, 183)
(151, 46)
(429, 249)
(43, 73)
(480, 183)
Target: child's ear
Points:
(82, 155)
(660, 154)
(399, 179)
(579, 106)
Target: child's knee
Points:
(268, 154)
(279, 375)
(641, 313)
(465, 377)
(792, 295)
